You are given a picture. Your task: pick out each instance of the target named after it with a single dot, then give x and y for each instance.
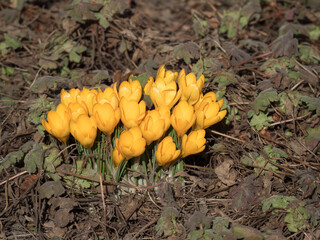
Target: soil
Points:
(258, 177)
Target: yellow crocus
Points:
(84, 130)
(208, 113)
(69, 97)
(108, 96)
(182, 117)
(152, 126)
(107, 118)
(89, 97)
(58, 123)
(208, 97)
(131, 143)
(131, 112)
(116, 157)
(77, 109)
(166, 152)
(166, 76)
(191, 87)
(165, 115)
(193, 143)
(131, 90)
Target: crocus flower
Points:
(69, 97)
(152, 126)
(58, 123)
(108, 96)
(191, 87)
(131, 143)
(132, 112)
(131, 90)
(107, 118)
(89, 97)
(193, 143)
(166, 152)
(208, 97)
(84, 129)
(77, 109)
(182, 117)
(208, 113)
(116, 157)
(166, 76)
(165, 115)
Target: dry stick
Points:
(290, 120)
(13, 177)
(144, 227)
(256, 57)
(227, 136)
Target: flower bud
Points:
(132, 112)
(107, 118)
(89, 97)
(193, 143)
(84, 129)
(58, 123)
(182, 117)
(152, 126)
(108, 96)
(166, 76)
(69, 97)
(131, 90)
(131, 143)
(191, 88)
(166, 152)
(116, 157)
(77, 109)
(165, 115)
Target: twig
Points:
(13, 177)
(227, 136)
(290, 120)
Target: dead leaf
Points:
(226, 173)
(285, 45)
(187, 51)
(236, 54)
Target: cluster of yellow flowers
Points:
(81, 113)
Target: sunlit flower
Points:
(132, 112)
(58, 123)
(69, 97)
(131, 143)
(208, 113)
(208, 97)
(165, 115)
(89, 97)
(107, 118)
(166, 152)
(153, 126)
(191, 87)
(193, 143)
(182, 117)
(131, 90)
(84, 129)
(163, 91)
(77, 109)
(116, 157)
(108, 96)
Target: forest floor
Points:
(258, 177)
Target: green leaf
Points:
(33, 159)
(199, 26)
(264, 99)
(308, 54)
(224, 79)
(187, 51)
(260, 121)
(11, 159)
(312, 103)
(296, 219)
(167, 224)
(11, 41)
(244, 232)
(314, 31)
(229, 23)
(142, 78)
(274, 153)
(313, 138)
(277, 201)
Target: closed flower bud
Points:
(132, 112)
(193, 143)
(166, 152)
(191, 87)
(116, 157)
(182, 117)
(89, 97)
(69, 97)
(152, 126)
(131, 143)
(147, 86)
(165, 115)
(58, 123)
(131, 90)
(166, 76)
(77, 109)
(108, 96)
(84, 129)
(208, 113)
(107, 118)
